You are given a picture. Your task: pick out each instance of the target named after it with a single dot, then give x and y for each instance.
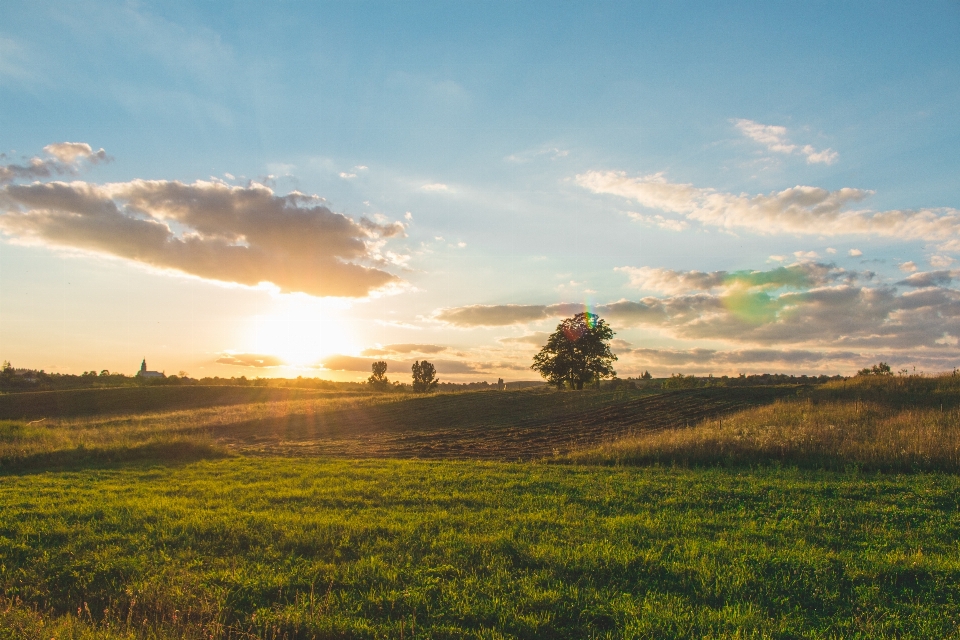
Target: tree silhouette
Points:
(882, 369)
(379, 378)
(577, 352)
(424, 377)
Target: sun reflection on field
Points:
(301, 330)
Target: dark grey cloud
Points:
(929, 279)
(845, 316)
(496, 315)
(675, 357)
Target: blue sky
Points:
(514, 161)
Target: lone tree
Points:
(882, 369)
(577, 352)
(424, 377)
(379, 378)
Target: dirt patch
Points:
(496, 426)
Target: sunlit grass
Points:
(300, 548)
(831, 435)
(150, 434)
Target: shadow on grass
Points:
(166, 453)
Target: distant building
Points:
(143, 373)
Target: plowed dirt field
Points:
(487, 425)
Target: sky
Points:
(301, 188)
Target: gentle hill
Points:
(128, 400)
(489, 425)
(508, 425)
(873, 423)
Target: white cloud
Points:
(245, 235)
(669, 281)
(347, 176)
(436, 186)
(798, 276)
(408, 216)
(831, 250)
(65, 158)
(853, 253)
(71, 152)
(775, 139)
(772, 137)
(940, 262)
(806, 255)
(797, 210)
(908, 267)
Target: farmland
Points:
(528, 514)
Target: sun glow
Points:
(301, 330)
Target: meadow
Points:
(830, 511)
(869, 423)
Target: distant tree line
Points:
(681, 381)
(14, 380)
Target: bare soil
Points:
(486, 425)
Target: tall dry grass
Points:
(828, 435)
(172, 435)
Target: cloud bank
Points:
(244, 235)
(800, 210)
(809, 305)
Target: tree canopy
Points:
(881, 369)
(379, 378)
(577, 353)
(424, 377)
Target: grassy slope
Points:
(492, 425)
(72, 403)
(343, 549)
(888, 424)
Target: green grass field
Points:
(304, 548)
(307, 518)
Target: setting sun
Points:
(301, 331)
